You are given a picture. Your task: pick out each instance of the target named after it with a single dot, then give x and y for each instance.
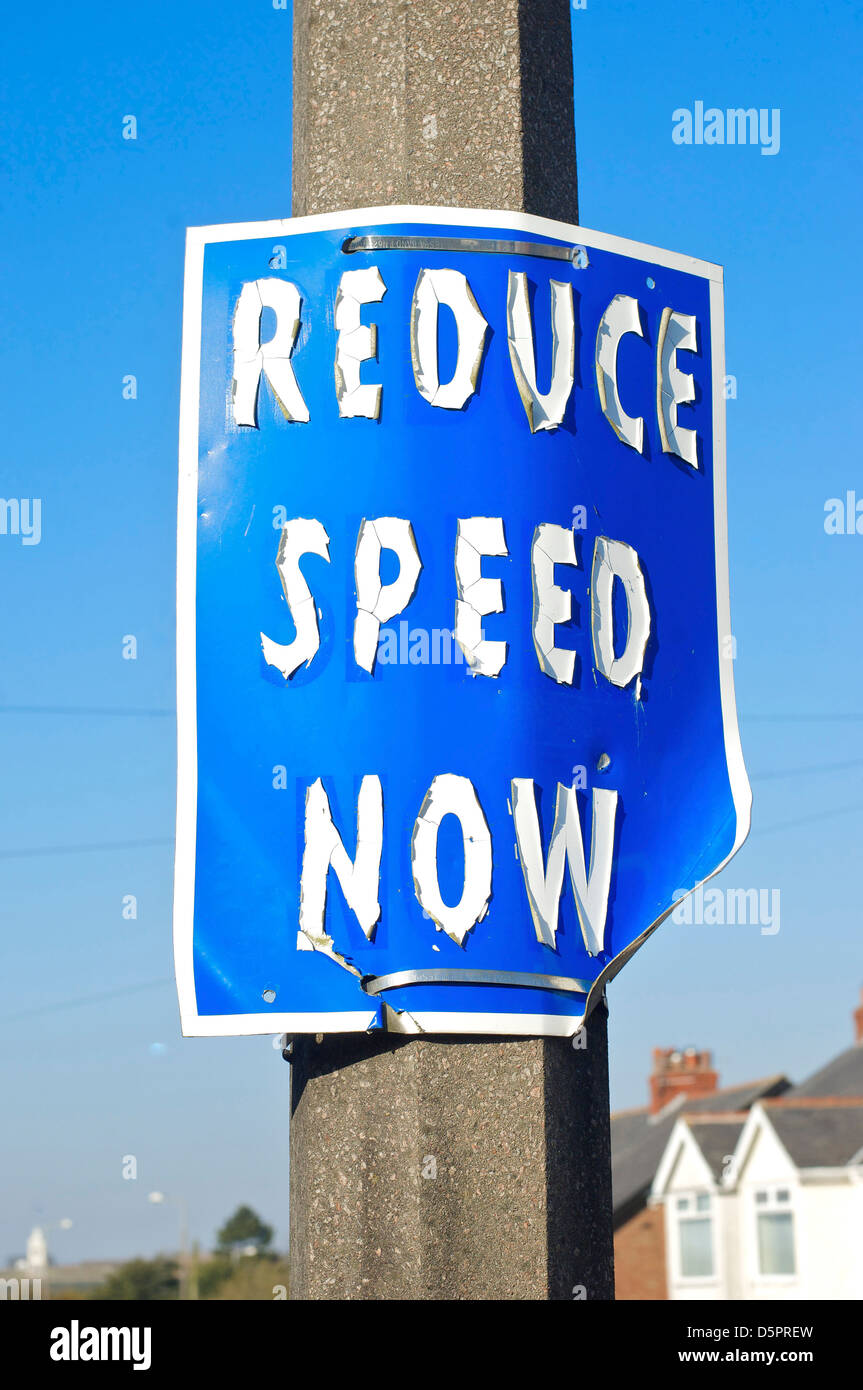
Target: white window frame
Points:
(772, 1205)
(679, 1217)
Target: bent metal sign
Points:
(456, 712)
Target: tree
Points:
(139, 1281)
(245, 1227)
(212, 1273)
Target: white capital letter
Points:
(376, 602)
(323, 850)
(591, 886)
(552, 545)
(451, 795)
(621, 316)
(273, 358)
(673, 387)
(617, 559)
(450, 287)
(478, 536)
(544, 884)
(299, 537)
(544, 412)
(357, 343)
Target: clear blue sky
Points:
(92, 239)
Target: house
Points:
(767, 1205)
(682, 1082)
(766, 1201)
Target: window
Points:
(775, 1230)
(695, 1236)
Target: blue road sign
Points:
(456, 708)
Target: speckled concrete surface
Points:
(451, 1169)
(428, 1168)
(462, 103)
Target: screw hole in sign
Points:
(269, 996)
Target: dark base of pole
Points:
(451, 1169)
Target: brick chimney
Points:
(858, 1021)
(688, 1072)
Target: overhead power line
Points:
(814, 771)
(800, 718)
(806, 820)
(86, 999)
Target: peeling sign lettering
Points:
(544, 883)
(677, 332)
(478, 596)
(376, 602)
(450, 288)
(272, 358)
(358, 878)
(357, 342)
(544, 412)
(622, 316)
(552, 545)
(456, 796)
(617, 560)
(299, 537)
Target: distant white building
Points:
(769, 1204)
(35, 1260)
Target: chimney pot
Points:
(687, 1073)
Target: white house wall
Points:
(689, 1175)
(728, 1212)
(828, 1221)
(828, 1228)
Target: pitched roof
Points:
(822, 1134)
(638, 1138)
(635, 1156)
(734, 1098)
(716, 1138)
(843, 1076)
(627, 1128)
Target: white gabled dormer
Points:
(698, 1225)
(800, 1199)
(768, 1184)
